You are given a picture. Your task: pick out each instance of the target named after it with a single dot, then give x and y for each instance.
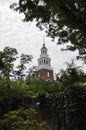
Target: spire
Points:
(43, 40)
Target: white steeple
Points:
(44, 61)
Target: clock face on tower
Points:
(44, 65)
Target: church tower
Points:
(44, 65)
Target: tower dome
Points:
(43, 49)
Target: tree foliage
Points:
(7, 58)
(22, 120)
(72, 75)
(69, 108)
(63, 19)
(24, 59)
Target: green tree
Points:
(69, 108)
(63, 19)
(24, 59)
(71, 76)
(75, 107)
(12, 91)
(7, 58)
(22, 120)
(32, 72)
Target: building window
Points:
(48, 74)
(44, 61)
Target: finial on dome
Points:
(43, 39)
(43, 45)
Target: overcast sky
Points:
(28, 39)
